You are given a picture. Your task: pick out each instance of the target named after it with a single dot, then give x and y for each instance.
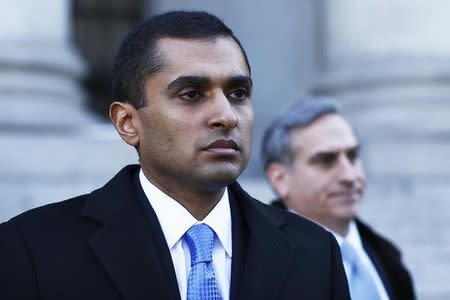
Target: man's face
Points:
(196, 128)
(327, 181)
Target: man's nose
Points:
(348, 172)
(222, 114)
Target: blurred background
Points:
(387, 62)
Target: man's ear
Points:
(278, 176)
(125, 119)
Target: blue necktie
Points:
(361, 284)
(202, 282)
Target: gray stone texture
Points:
(51, 147)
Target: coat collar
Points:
(268, 254)
(124, 244)
(137, 259)
(382, 254)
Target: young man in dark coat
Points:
(177, 226)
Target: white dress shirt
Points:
(175, 220)
(354, 239)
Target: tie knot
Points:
(349, 254)
(200, 241)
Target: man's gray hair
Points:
(276, 144)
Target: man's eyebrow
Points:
(355, 148)
(241, 80)
(320, 153)
(184, 81)
(323, 154)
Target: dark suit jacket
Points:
(109, 245)
(386, 259)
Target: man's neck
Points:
(198, 202)
(199, 206)
(340, 227)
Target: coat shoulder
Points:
(299, 226)
(53, 213)
(69, 211)
(41, 227)
(296, 227)
(376, 240)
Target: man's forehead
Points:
(330, 133)
(325, 148)
(197, 54)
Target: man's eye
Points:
(326, 160)
(353, 156)
(239, 94)
(190, 95)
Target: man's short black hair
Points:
(138, 59)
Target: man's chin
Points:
(221, 177)
(348, 214)
(225, 177)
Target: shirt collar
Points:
(352, 237)
(169, 211)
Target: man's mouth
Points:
(353, 194)
(223, 147)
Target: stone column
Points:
(38, 66)
(50, 147)
(387, 62)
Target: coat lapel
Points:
(381, 254)
(134, 255)
(269, 253)
(124, 245)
